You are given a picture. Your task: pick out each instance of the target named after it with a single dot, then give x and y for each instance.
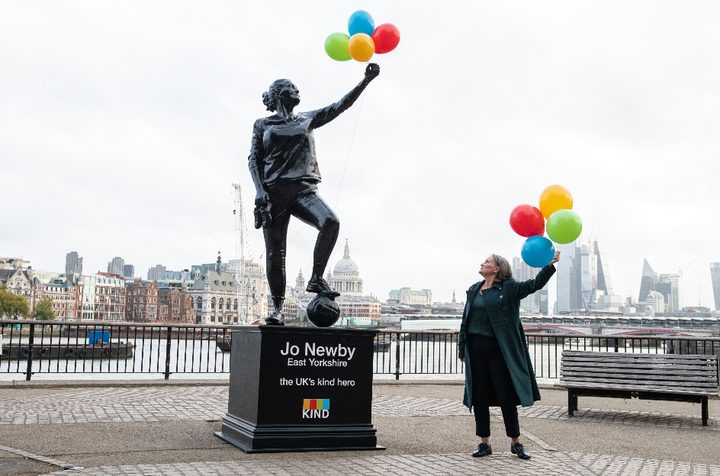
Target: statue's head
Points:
(281, 90)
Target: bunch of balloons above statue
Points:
(563, 225)
(364, 39)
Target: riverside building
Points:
(142, 301)
(17, 278)
(101, 297)
(174, 305)
(63, 294)
(214, 296)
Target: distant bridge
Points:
(607, 331)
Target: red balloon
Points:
(527, 221)
(386, 38)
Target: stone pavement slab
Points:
(542, 463)
(169, 430)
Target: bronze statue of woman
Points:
(284, 169)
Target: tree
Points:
(43, 310)
(11, 305)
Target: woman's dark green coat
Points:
(503, 306)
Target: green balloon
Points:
(564, 226)
(336, 46)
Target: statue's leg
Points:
(275, 245)
(311, 209)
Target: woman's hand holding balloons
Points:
(556, 258)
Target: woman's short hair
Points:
(271, 95)
(505, 268)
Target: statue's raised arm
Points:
(325, 115)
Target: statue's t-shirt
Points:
(283, 149)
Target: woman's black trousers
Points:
(491, 384)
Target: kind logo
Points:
(316, 408)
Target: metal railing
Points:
(112, 348)
(47, 347)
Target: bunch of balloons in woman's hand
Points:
(364, 40)
(563, 225)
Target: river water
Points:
(202, 359)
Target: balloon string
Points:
(347, 159)
(352, 139)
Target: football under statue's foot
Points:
(321, 287)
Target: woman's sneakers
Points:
(517, 449)
(483, 449)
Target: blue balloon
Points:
(537, 251)
(361, 22)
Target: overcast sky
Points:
(124, 123)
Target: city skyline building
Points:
(63, 294)
(73, 263)
(197, 270)
(142, 301)
(155, 273)
(116, 266)
(101, 297)
(408, 297)
(19, 281)
(128, 271)
(647, 281)
(174, 305)
(257, 290)
(715, 279)
(536, 302)
(214, 296)
(184, 275)
(583, 280)
(667, 285)
(569, 296)
(345, 276)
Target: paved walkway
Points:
(167, 431)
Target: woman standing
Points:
(285, 172)
(498, 370)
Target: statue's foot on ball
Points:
(319, 286)
(275, 319)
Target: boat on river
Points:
(381, 345)
(224, 343)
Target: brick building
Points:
(174, 305)
(142, 301)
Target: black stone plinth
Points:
(300, 389)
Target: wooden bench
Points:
(681, 378)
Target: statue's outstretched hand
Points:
(372, 71)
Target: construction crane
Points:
(241, 242)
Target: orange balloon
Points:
(554, 198)
(361, 47)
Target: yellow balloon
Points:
(361, 47)
(554, 198)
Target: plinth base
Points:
(300, 389)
